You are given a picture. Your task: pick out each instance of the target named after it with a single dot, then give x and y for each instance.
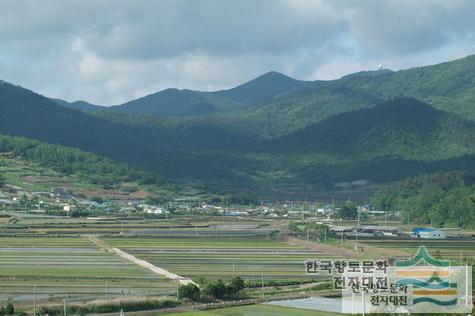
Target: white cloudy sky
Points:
(110, 51)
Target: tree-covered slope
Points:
(72, 161)
(174, 102)
(262, 88)
(402, 127)
(318, 132)
(440, 199)
(448, 86)
(25, 113)
(398, 138)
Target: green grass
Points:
(257, 310)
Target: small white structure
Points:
(429, 233)
(152, 209)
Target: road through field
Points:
(147, 265)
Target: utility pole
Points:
(325, 234)
(64, 307)
(233, 270)
(341, 241)
(107, 290)
(357, 229)
(177, 288)
(34, 300)
(262, 283)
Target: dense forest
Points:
(86, 165)
(441, 199)
(298, 133)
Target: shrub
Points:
(9, 310)
(236, 285)
(216, 289)
(189, 291)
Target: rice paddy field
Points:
(442, 249)
(68, 267)
(213, 258)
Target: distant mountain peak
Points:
(272, 75)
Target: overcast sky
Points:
(111, 51)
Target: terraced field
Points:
(215, 257)
(444, 249)
(69, 267)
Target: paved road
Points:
(147, 265)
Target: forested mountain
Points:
(27, 114)
(448, 86)
(379, 125)
(169, 102)
(177, 103)
(262, 88)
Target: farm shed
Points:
(429, 233)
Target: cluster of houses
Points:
(362, 231)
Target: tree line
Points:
(441, 199)
(72, 161)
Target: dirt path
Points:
(365, 251)
(147, 265)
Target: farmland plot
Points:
(69, 267)
(442, 249)
(215, 258)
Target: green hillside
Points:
(170, 102)
(71, 161)
(440, 199)
(320, 132)
(174, 102)
(449, 86)
(402, 127)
